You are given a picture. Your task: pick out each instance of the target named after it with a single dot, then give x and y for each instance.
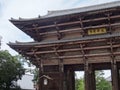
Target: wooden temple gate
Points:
(65, 41)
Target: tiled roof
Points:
(74, 11)
(64, 41)
(83, 9)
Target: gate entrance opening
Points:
(83, 39)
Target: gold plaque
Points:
(97, 31)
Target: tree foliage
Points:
(10, 70)
(101, 82)
(79, 84)
(36, 75)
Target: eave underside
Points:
(80, 22)
(97, 50)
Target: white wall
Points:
(26, 82)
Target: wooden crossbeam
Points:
(70, 43)
(79, 60)
(76, 22)
(87, 55)
(79, 29)
(75, 49)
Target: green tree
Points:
(101, 82)
(10, 70)
(79, 84)
(36, 75)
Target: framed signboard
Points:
(97, 31)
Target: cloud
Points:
(90, 2)
(31, 9)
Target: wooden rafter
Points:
(70, 43)
(79, 29)
(76, 22)
(75, 49)
(86, 55)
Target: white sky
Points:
(31, 9)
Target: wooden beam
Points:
(114, 74)
(76, 22)
(75, 49)
(79, 29)
(87, 55)
(70, 43)
(76, 61)
(99, 26)
(62, 31)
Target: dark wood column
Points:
(70, 79)
(92, 77)
(61, 70)
(89, 77)
(118, 78)
(73, 80)
(114, 68)
(114, 74)
(40, 73)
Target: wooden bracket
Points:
(60, 61)
(109, 22)
(59, 35)
(82, 27)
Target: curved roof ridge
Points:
(56, 13)
(85, 9)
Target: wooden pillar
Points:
(61, 71)
(114, 74)
(114, 68)
(118, 77)
(89, 77)
(70, 80)
(40, 80)
(73, 79)
(92, 77)
(61, 67)
(40, 74)
(67, 79)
